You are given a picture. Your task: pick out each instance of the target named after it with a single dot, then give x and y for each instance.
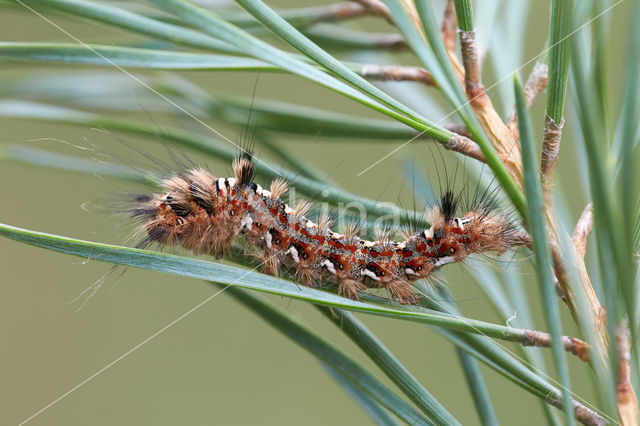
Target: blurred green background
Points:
(220, 364)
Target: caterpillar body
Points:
(206, 214)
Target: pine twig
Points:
(469, 75)
(626, 397)
(583, 229)
(396, 73)
(448, 27)
(583, 414)
(578, 347)
(550, 148)
(377, 8)
(464, 146)
(460, 129)
(341, 12)
(535, 85)
(471, 63)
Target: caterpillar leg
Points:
(402, 292)
(270, 265)
(350, 288)
(307, 276)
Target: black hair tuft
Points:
(448, 205)
(244, 168)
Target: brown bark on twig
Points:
(572, 345)
(583, 414)
(503, 141)
(471, 62)
(464, 146)
(535, 85)
(583, 229)
(550, 148)
(460, 129)
(626, 397)
(568, 287)
(377, 8)
(448, 27)
(341, 12)
(569, 284)
(396, 73)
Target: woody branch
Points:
(341, 12)
(469, 50)
(583, 229)
(377, 8)
(535, 85)
(448, 27)
(396, 73)
(626, 396)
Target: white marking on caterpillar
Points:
(246, 222)
(294, 254)
(428, 233)
(370, 274)
(410, 271)
(268, 239)
(232, 182)
(330, 267)
(222, 187)
(459, 224)
(445, 260)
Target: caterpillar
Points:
(206, 214)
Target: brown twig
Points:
(583, 414)
(535, 85)
(583, 229)
(550, 148)
(568, 287)
(626, 397)
(377, 8)
(396, 73)
(469, 76)
(572, 345)
(471, 62)
(448, 27)
(341, 12)
(460, 129)
(464, 146)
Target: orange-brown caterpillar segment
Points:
(205, 214)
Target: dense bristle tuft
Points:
(352, 229)
(278, 187)
(448, 205)
(243, 168)
(301, 209)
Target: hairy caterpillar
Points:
(206, 214)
